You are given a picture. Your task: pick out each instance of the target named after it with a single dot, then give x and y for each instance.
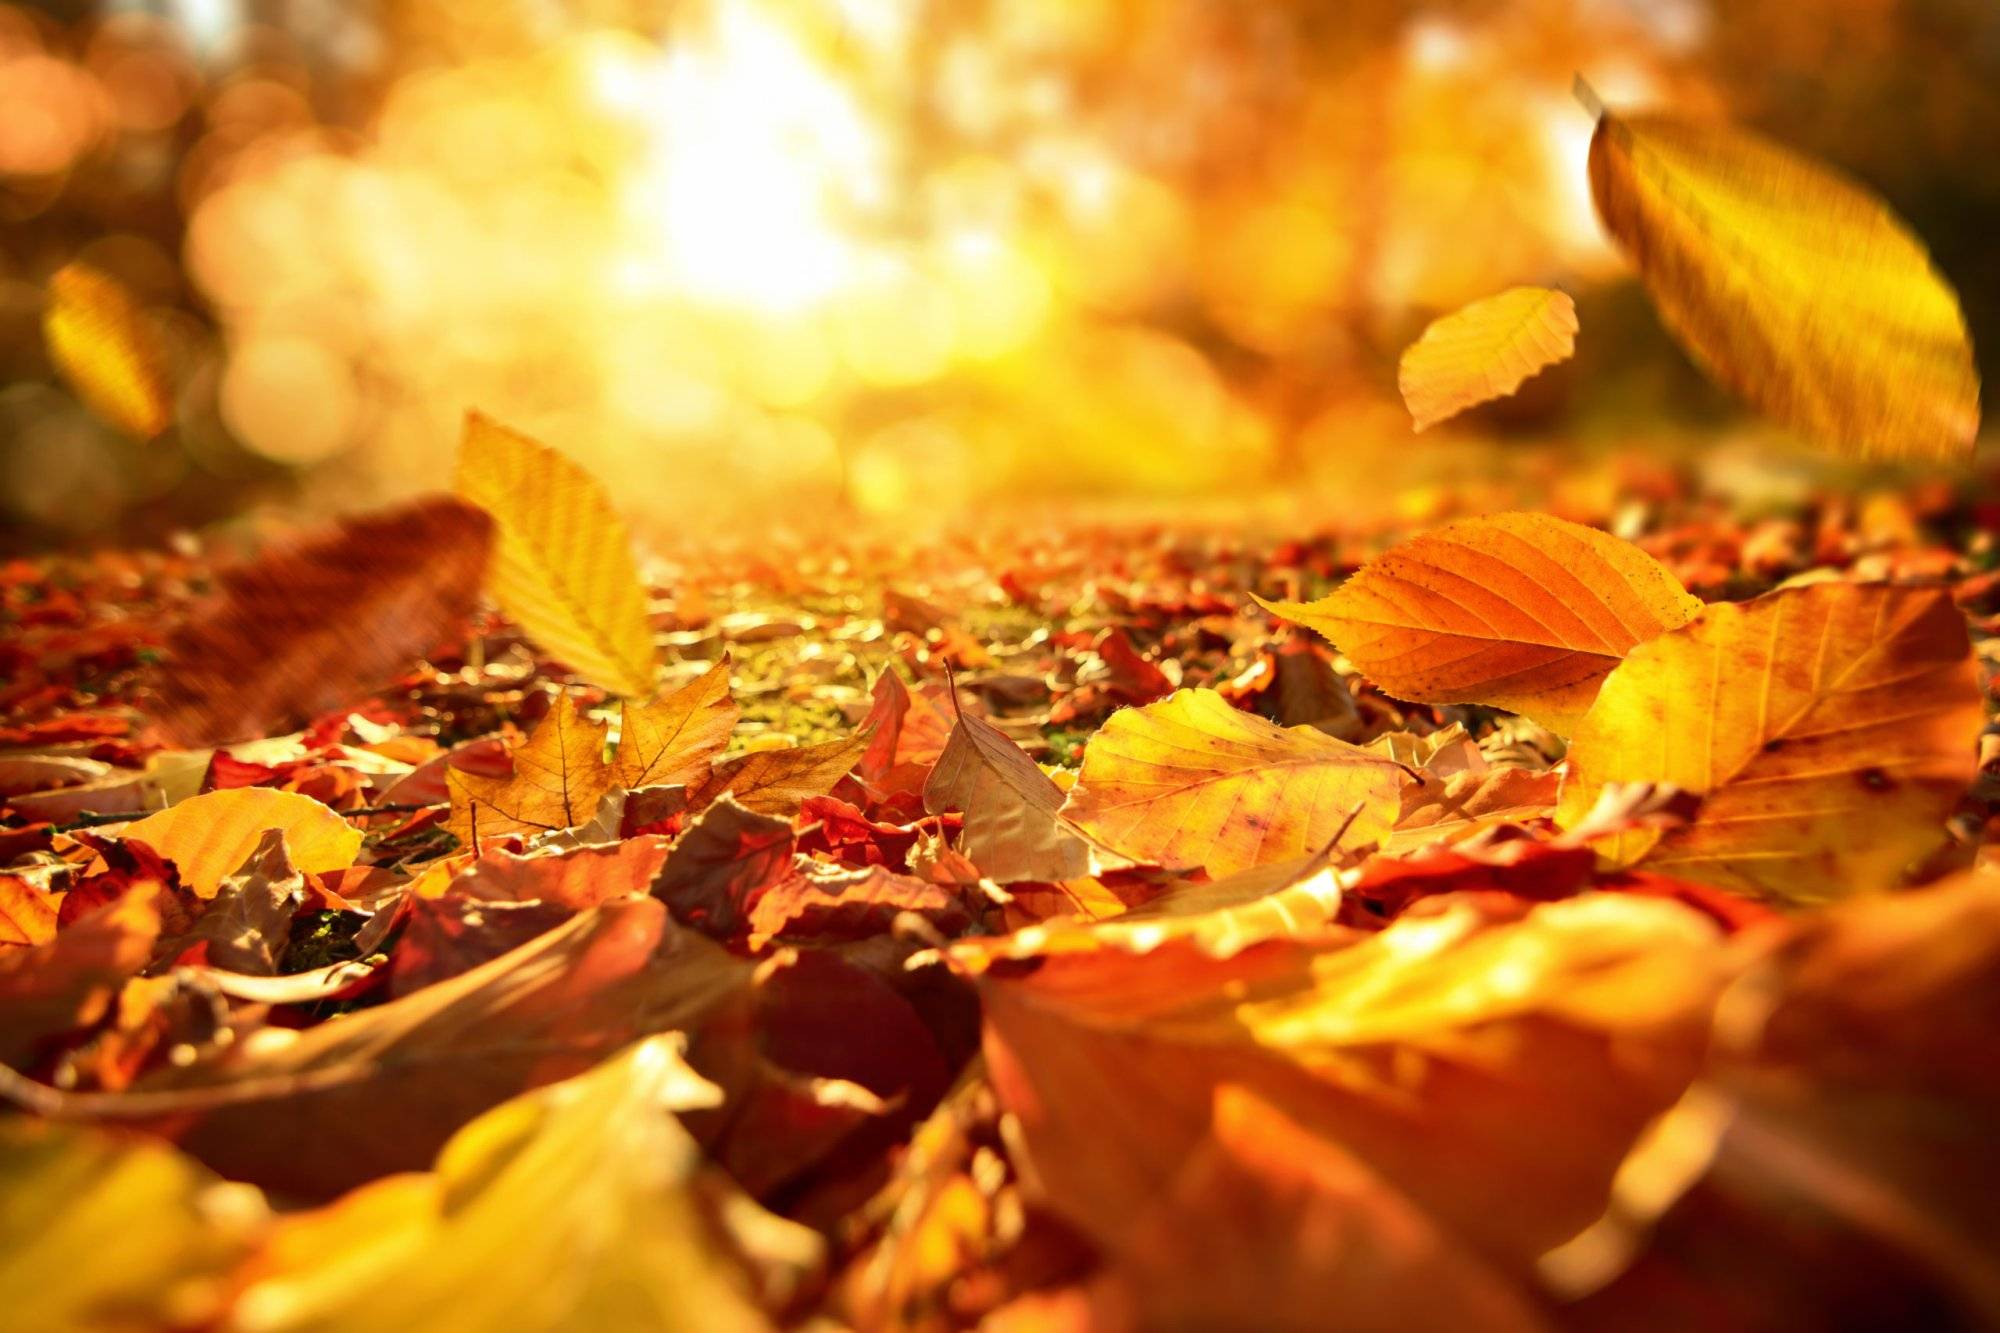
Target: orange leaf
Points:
(777, 782)
(1012, 832)
(27, 915)
(672, 738)
(1484, 351)
(559, 776)
(1522, 611)
(209, 837)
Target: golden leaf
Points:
(672, 738)
(1485, 351)
(559, 776)
(562, 563)
(777, 782)
(1522, 611)
(1828, 729)
(208, 837)
(1792, 285)
(1192, 781)
(105, 347)
(584, 1204)
(27, 915)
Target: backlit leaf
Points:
(1522, 611)
(562, 562)
(559, 776)
(316, 624)
(210, 836)
(27, 915)
(108, 351)
(777, 782)
(1485, 351)
(1790, 284)
(1191, 781)
(672, 738)
(1828, 729)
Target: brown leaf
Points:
(559, 776)
(726, 855)
(777, 782)
(248, 924)
(1012, 831)
(318, 623)
(850, 904)
(67, 981)
(575, 878)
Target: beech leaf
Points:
(209, 836)
(1012, 831)
(108, 350)
(1484, 351)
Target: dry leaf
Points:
(559, 776)
(1522, 611)
(1191, 781)
(247, 926)
(209, 836)
(723, 858)
(672, 739)
(27, 915)
(1828, 730)
(1484, 351)
(318, 623)
(108, 350)
(581, 1205)
(1012, 832)
(777, 782)
(562, 562)
(1792, 285)
(68, 980)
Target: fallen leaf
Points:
(725, 856)
(850, 904)
(1012, 830)
(1191, 781)
(1790, 284)
(562, 562)
(1522, 611)
(450, 935)
(1827, 729)
(777, 782)
(559, 777)
(208, 836)
(108, 350)
(27, 915)
(69, 980)
(671, 739)
(247, 926)
(317, 623)
(580, 1205)
(72, 1191)
(1485, 351)
(575, 878)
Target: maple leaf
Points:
(1484, 351)
(559, 777)
(1523, 611)
(317, 623)
(672, 738)
(1790, 284)
(1827, 729)
(1012, 830)
(777, 782)
(562, 563)
(1191, 781)
(209, 836)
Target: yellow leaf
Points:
(27, 915)
(562, 564)
(71, 1191)
(1829, 730)
(776, 782)
(1192, 781)
(104, 346)
(672, 738)
(584, 1204)
(1522, 611)
(1485, 351)
(209, 836)
(1792, 285)
(559, 776)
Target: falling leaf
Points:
(208, 836)
(1522, 611)
(1791, 284)
(1828, 730)
(581, 1205)
(559, 776)
(562, 562)
(1485, 351)
(108, 350)
(1012, 831)
(318, 623)
(27, 915)
(1191, 781)
(777, 782)
(672, 739)
(103, 1231)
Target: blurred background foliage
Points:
(759, 261)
